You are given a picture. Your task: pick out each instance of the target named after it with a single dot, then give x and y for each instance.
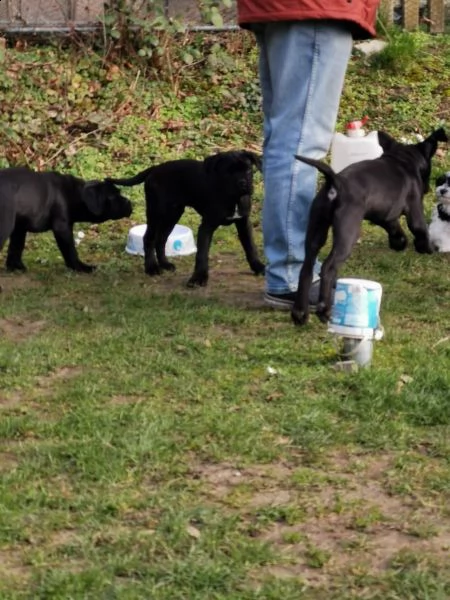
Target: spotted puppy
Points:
(439, 228)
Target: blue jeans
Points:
(302, 68)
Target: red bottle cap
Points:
(357, 124)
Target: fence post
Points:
(437, 16)
(387, 11)
(411, 14)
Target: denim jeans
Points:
(302, 68)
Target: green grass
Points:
(146, 450)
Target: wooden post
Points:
(411, 14)
(437, 16)
(387, 11)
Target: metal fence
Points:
(42, 15)
(52, 15)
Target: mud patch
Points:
(10, 282)
(18, 330)
(45, 382)
(12, 567)
(8, 461)
(221, 480)
(29, 399)
(328, 521)
(63, 537)
(12, 401)
(230, 283)
(121, 400)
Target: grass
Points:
(146, 448)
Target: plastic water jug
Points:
(354, 145)
(356, 308)
(355, 317)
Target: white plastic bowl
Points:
(179, 243)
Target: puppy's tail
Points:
(439, 135)
(330, 176)
(136, 180)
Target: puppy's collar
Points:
(442, 213)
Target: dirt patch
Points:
(8, 461)
(328, 547)
(24, 400)
(328, 521)
(63, 537)
(120, 400)
(230, 283)
(62, 374)
(233, 286)
(10, 282)
(12, 401)
(18, 330)
(221, 480)
(12, 567)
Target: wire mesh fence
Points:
(55, 14)
(52, 15)
(410, 14)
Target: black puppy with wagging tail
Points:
(34, 202)
(219, 188)
(379, 191)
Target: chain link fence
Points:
(60, 15)
(53, 15)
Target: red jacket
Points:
(358, 15)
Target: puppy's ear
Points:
(440, 180)
(429, 146)
(254, 158)
(386, 141)
(93, 197)
(210, 163)
(440, 135)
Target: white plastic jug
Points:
(354, 145)
(355, 317)
(356, 308)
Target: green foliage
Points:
(149, 31)
(146, 450)
(210, 10)
(400, 54)
(143, 32)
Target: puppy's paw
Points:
(152, 270)
(15, 265)
(323, 312)
(167, 266)
(299, 316)
(84, 268)
(198, 280)
(258, 267)
(398, 243)
(423, 246)
(435, 246)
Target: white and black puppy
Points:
(439, 228)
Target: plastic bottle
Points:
(354, 145)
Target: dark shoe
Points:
(286, 301)
(280, 301)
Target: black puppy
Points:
(36, 202)
(380, 191)
(219, 188)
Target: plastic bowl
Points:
(179, 243)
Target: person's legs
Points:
(302, 69)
